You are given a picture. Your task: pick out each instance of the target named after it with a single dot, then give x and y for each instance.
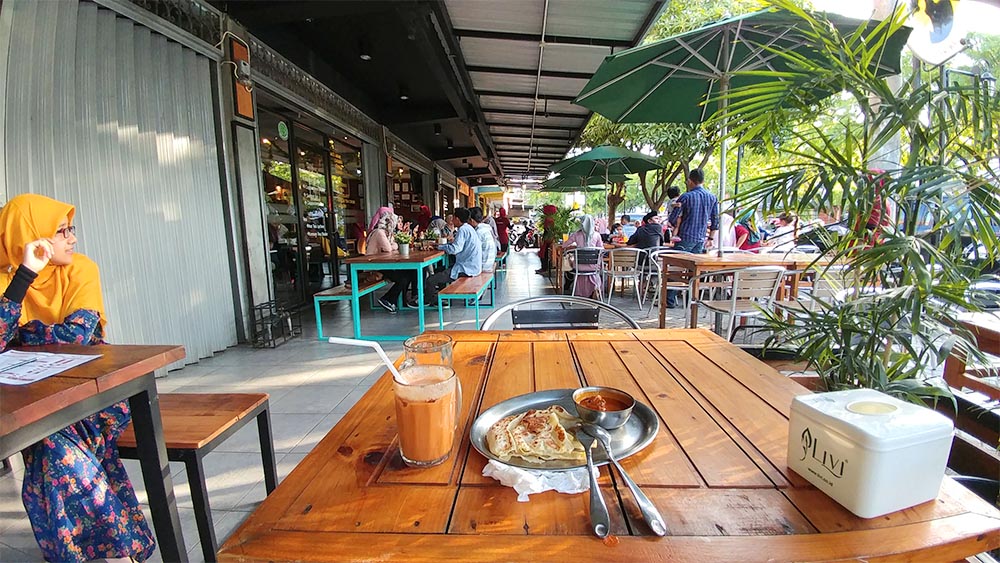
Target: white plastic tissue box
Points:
(870, 452)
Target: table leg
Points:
(152, 453)
(355, 302)
(663, 299)
(693, 298)
(319, 319)
(420, 299)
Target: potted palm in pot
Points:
(910, 222)
(403, 239)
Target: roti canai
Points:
(535, 436)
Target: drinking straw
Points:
(370, 344)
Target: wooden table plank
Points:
(718, 460)
(662, 463)
(21, 405)
(722, 512)
(494, 510)
(947, 539)
(554, 366)
(763, 427)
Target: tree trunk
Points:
(616, 195)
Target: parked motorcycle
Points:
(526, 239)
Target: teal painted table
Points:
(417, 261)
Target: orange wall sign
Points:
(242, 98)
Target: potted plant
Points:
(910, 221)
(403, 239)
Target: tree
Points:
(679, 146)
(910, 272)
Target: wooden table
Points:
(716, 470)
(985, 327)
(31, 412)
(417, 260)
(698, 264)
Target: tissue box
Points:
(870, 452)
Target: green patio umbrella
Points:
(605, 160)
(569, 184)
(678, 79)
(682, 78)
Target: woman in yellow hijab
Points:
(77, 494)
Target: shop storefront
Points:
(407, 186)
(314, 196)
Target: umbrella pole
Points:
(607, 192)
(723, 150)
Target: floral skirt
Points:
(79, 497)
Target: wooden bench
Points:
(501, 262)
(471, 288)
(194, 424)
(342, 293)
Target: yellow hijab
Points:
(58, 291)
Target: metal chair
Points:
(586, 316)
(625, 264)
(829, 286)
(592, 267)
(753, 290)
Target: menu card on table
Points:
(22, 368)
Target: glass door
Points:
(318, 253)
(282, 210)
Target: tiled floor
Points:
(311, 383)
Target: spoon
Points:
(599, 518)
(649, 512)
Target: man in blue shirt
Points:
(468, 257)
(698, 212)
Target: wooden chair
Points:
(194, 424)
(625, 264)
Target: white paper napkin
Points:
(529, 481)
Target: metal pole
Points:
(723, 149)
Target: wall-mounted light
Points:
(437, 129)
(266, 141)
(404, 93)
(364, 52)
(400, 171)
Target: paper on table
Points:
(22, 368)
(527, 481)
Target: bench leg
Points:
(477, 314)
(355, 304)
(202, 508)
(267, 450)
(440, 314)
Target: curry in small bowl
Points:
(604, 406)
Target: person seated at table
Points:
(650, 234)
(628, 229)
(747, 235)
(783, 238)
(584, 237)
(381, 240)
(488, 245)
(76, 491)
(468, 257)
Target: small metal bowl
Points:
(606, 419)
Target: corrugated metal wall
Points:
(103, 113)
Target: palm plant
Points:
(941, 195)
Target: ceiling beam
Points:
(525, 96)
(536, 136)
(531, 72)
(507, 147)
(538, 113)
(549, 39)
(457, 152)
(528, 127)
(466, 172)
(406, 115)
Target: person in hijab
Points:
(76, 491)
(503, 229)
(585, 237)
(381, 240)
(441, 227)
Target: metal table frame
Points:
(356, 267)
(152, 452)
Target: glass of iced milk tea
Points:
(428, 400)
